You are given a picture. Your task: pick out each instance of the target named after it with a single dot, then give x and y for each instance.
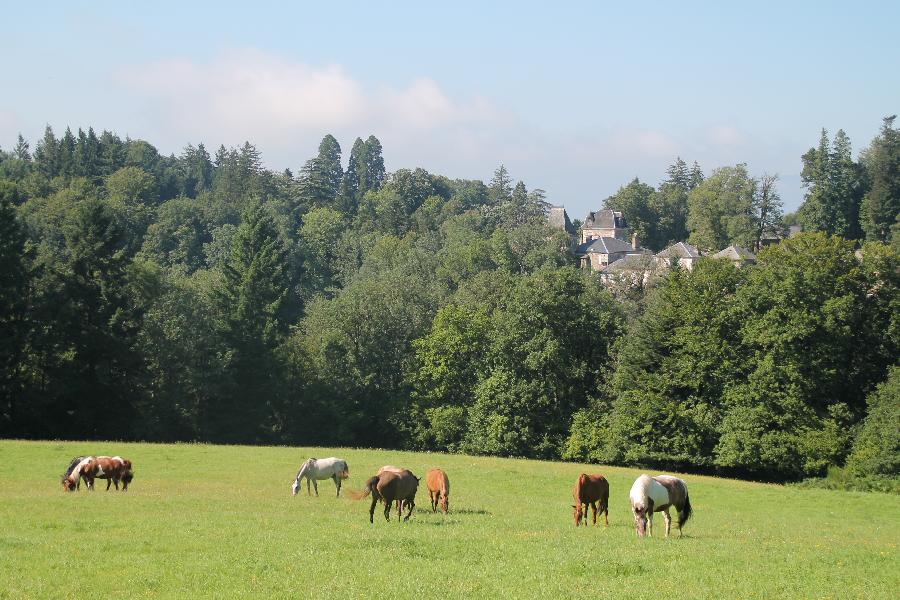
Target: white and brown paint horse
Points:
(112, 468)
(71, 479)
(314, 469)
(658, 494)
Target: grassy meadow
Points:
(205, 521)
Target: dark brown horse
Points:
(111, 468)
(438, 489)
(590, 490)
(390, 486)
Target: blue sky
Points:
(576, 99)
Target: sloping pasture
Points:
(204, 521)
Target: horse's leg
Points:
(337, 484)
(316, 487)
(412, 505)
(372, 508)
(388, 504)
(649, 523)
(594, 508)
(668, 519)
(308, 492)
(605, 507)
(109, 483)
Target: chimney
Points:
(634, 241)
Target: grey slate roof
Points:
(604, 219)
(630, 262)
(558, 218)
(736, 253)
(604, 245)
(680, 250)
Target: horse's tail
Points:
(686, 511)
(368, 488)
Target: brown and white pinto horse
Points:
(111, 468)
(588, 491)
(71, 479)
(438, 489)
(658, 494)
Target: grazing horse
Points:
(390, 486)
(588, 491)
(658, 494)
(71, 479)
(321, 468)
(111, 468)
(439, 489)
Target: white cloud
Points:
(284, 106)
(10, 125)
(726, 135)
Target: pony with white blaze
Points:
(321, 468)
(657, 494)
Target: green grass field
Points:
(219, 522)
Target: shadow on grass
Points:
(461, 511)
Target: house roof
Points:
(680, 250)
(604, 245)
(604, 219)
(630, 262)
(736, 253)
(558, 218)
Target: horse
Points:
(321, 468)
(71, 479)
(439, 489)
(111, 468)
(658, 494)
(390, 486)
(588, 491)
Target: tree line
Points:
(200, 297)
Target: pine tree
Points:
(679, 175)
(67, 167)
(372, 177)
(696, 177)
(14, 286)
(835, 188)
(46, 154)
(21, 150)
(252, 302)
(501, 186)
(881, 204)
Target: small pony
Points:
(321, 468)
(71, 479)
(111, 468)
(588, 491)
(438, 489)
(657, 494)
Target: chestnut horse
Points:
(438, 489)
(111, 468)
(588, 491)
(390, 486)
(657, 494)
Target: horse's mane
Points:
(72, 465)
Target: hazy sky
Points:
(576, 98)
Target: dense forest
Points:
(200, 297)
